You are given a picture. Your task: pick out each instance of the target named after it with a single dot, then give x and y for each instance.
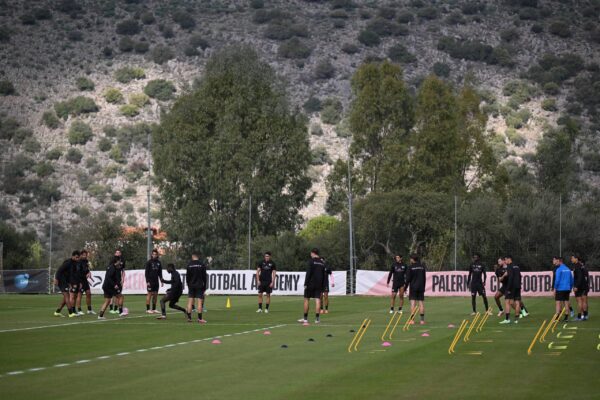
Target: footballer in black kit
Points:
(476, 282)
(313, 284)
(581, 286)
(265, 279)
(197, 280)
(153, 275)
(66, 274)
(416, 277)
(513, 290)
(397, 275)
(327, 277)
(173, 293)
(83, 269)
(112, 286)
(500, 272)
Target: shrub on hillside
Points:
(6, 88)
(160, 54)
(141, 47)
(369, 38)
(350, 48)
(128, 27)
(184, 19)
(549, 105)
(44, 169)
(50, 120)
(427, 13)
(139, 99)
(441, 69)
(113, 95)
(127, 74)
(54, 154)
(80, 133)
(32, 145)
(160, 89)
(75, 36)
(405, 17)
(199, 41)
(129, 110)
(294, 48)
(74, 155)
(75, 106)
(84, 84)
(560, 28)
(27, 19)
(467, 50)
(312, 105)
(331, 112)
(42, 13)
(324, 70)
(147, 18)
(126, 44)
(104, 144)
(400, 54)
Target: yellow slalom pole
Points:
(361, 335)
(558, 319)
(535, 338)
(473, 323)
(395, 325)
(388, 326)
(411, 318)
(543, 337)
(356, 335)
(463, 324)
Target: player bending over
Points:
(265, 278)
(476, 282)
(313, 285)
(62, 279)
(397, 275)
(196, 282)
(562, 284)
(112, 286)
(173, 293)
(415, 281)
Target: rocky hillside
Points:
(82, 81)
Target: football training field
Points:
(139, 357)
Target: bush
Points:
(160, 89)
(552, 68)
(405, 17)
(6, 88)
(128, 27)
(369, 38)
(147, 18)
(320, 156)
(350, 48)
(324, 70)
(80, 133)
(113, 95)
(139, 99)
(549, 105)
(591, 162)
(385, 28)
(75, 36)
(294, 49)
(509, 35)
(141, 47)
(184, 19)
(111, 171)
(81, 211)
(166, 31)
(98, 191)
(551, 88)
(428, 13)
(104, 144)
(107, 52)
(27, 19)
(21, 134)
(4, 35)
(472, 7)
(560, 29)
(129, 110)
(160, 54)
(74, 155)
(198, 41)
(467, 50)
(345, 4)
(441, 69)
(117, 155)
(126, 44)
(75, 106)
(84, 84)
(50, 120)
(399, 53)
(44, 169)
(116, 196)
(332, 111)
(130, 191)
(537, 28)
(283, 30)
(515, 137)
(528, 14)
(257, 4)
(42, 13)
(455, 18)
(31, 145)
(342, 129)
(312, 105)
(501, 56)
(54, 154)
(127, 74)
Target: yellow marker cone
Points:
(228, 305)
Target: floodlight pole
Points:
(149, 229)
(249, 231)
(560, 225)
(455, 229)
(350, 230)
(50, 283)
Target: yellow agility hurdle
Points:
(462, 327)
(387, 328)
(543, 336)
(483, 320)
(395, 325)
(530, 349)
(473, 323)
(359, 335)
(410, 319)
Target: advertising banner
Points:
(25, 281)
(225, 282)
(454, 283)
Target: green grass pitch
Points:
(139, 357)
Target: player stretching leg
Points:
(173, 293)
(111, 286)
(61, 279)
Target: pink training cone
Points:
(305, 324)
(266, 332)
(216, 341)
(386, 344)
(425, 334)
(451, 326)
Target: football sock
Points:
(485, 303)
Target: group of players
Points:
(72, 278)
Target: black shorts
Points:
(196, 293)
(172, 297)
(63, 287)
(562, 295)
(397, 287)
(502, 290)
(85, 286)
(416, 294)
(74, 287)
(265, 287)
(514, 294)
(581, 292)
(152, 287)
(109, 293)
(477, 290)
(311, 293)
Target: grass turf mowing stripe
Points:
(126, 353)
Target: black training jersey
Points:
(175, 281)
(580, 277)
(326, 272)
(112, 277)
(153, 271)
(63, 273)
(196, 275)
(416, 276)
(499, 274)
(83, 269)
(315, 274)
(477, 275)
(398, 273)
(587, 277)
(266, 271)
(513, 277)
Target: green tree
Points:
(235, 137)
(555, 166)
(318, 226)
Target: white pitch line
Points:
(12, 373)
